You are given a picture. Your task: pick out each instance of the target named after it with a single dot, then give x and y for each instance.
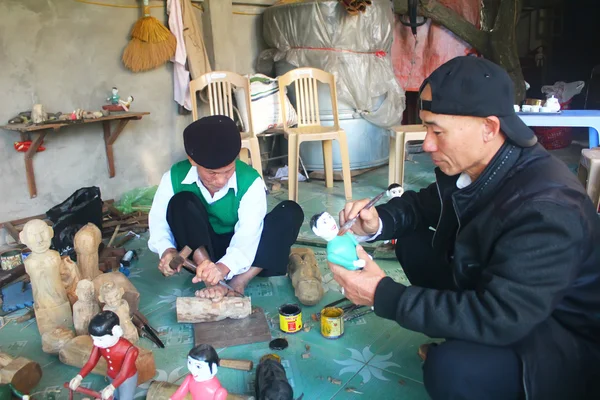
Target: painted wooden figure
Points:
(341, 250)
(119, 353)
(202, 383)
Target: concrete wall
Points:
(67, 55)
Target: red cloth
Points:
(206, 390)
(435, 46)
(120, 359)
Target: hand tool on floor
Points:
(182, 260)
(145, 330)
(351, 221)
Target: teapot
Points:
(552, 104)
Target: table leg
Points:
(109, 139)
(593, 137)
(29, 163)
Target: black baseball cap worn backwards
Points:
(212, 142)
(476, 87)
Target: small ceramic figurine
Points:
(202, 383)
(114, 98)
(126, 104)
(395, 190)
(119, 353)
(85, 307)
(552, 104)
(112, 296)
(341, 250)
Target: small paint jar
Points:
(10, 259)
(332, 322)
(25, 253)
(290, 318)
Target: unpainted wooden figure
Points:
(304, 272)
(112, 297)
(51, 304)
(86, 306)
(70, 276)
(86, 243)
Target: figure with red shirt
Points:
(202, 363)
(119, 353)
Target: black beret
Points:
(212, 142)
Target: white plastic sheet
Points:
(356, 49)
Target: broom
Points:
(151, 44)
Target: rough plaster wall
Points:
(67, 55)
(248, 39)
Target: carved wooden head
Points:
(85, 290)
(111, 294)
(87, 239)
(37, 235)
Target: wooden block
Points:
(195, 309)
(77, 352)
(21, 372)
(234, 332)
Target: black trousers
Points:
(457, 369)
(188, 220)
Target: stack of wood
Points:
(116, 224)
(355, 6)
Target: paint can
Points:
(290, 318)
(332, 322)
(10, 259)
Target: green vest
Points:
(223, 213)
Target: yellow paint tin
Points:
(290, 318)
(332, 322)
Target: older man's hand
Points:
(359, 286)
(367, 223)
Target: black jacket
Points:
(523, 242)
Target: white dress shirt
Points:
(247, 231)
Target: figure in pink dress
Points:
(202, 383)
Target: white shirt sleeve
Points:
(361, 239)
(247, 232)
(161, 237)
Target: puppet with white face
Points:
(341, 250)
(202, 383)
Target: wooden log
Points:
(77, 351)
(21, 372)
(160, 390)
(304, 272)
(53, 341)
(70, 276)
(195, 309)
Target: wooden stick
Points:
(112, 239)
(242, 365)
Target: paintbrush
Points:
(351, 221)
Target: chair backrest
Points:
(307, 97)
(219, 88)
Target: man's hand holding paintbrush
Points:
(367, 223)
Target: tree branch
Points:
(450, 19)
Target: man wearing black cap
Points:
(217, 204)
(502, 252)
